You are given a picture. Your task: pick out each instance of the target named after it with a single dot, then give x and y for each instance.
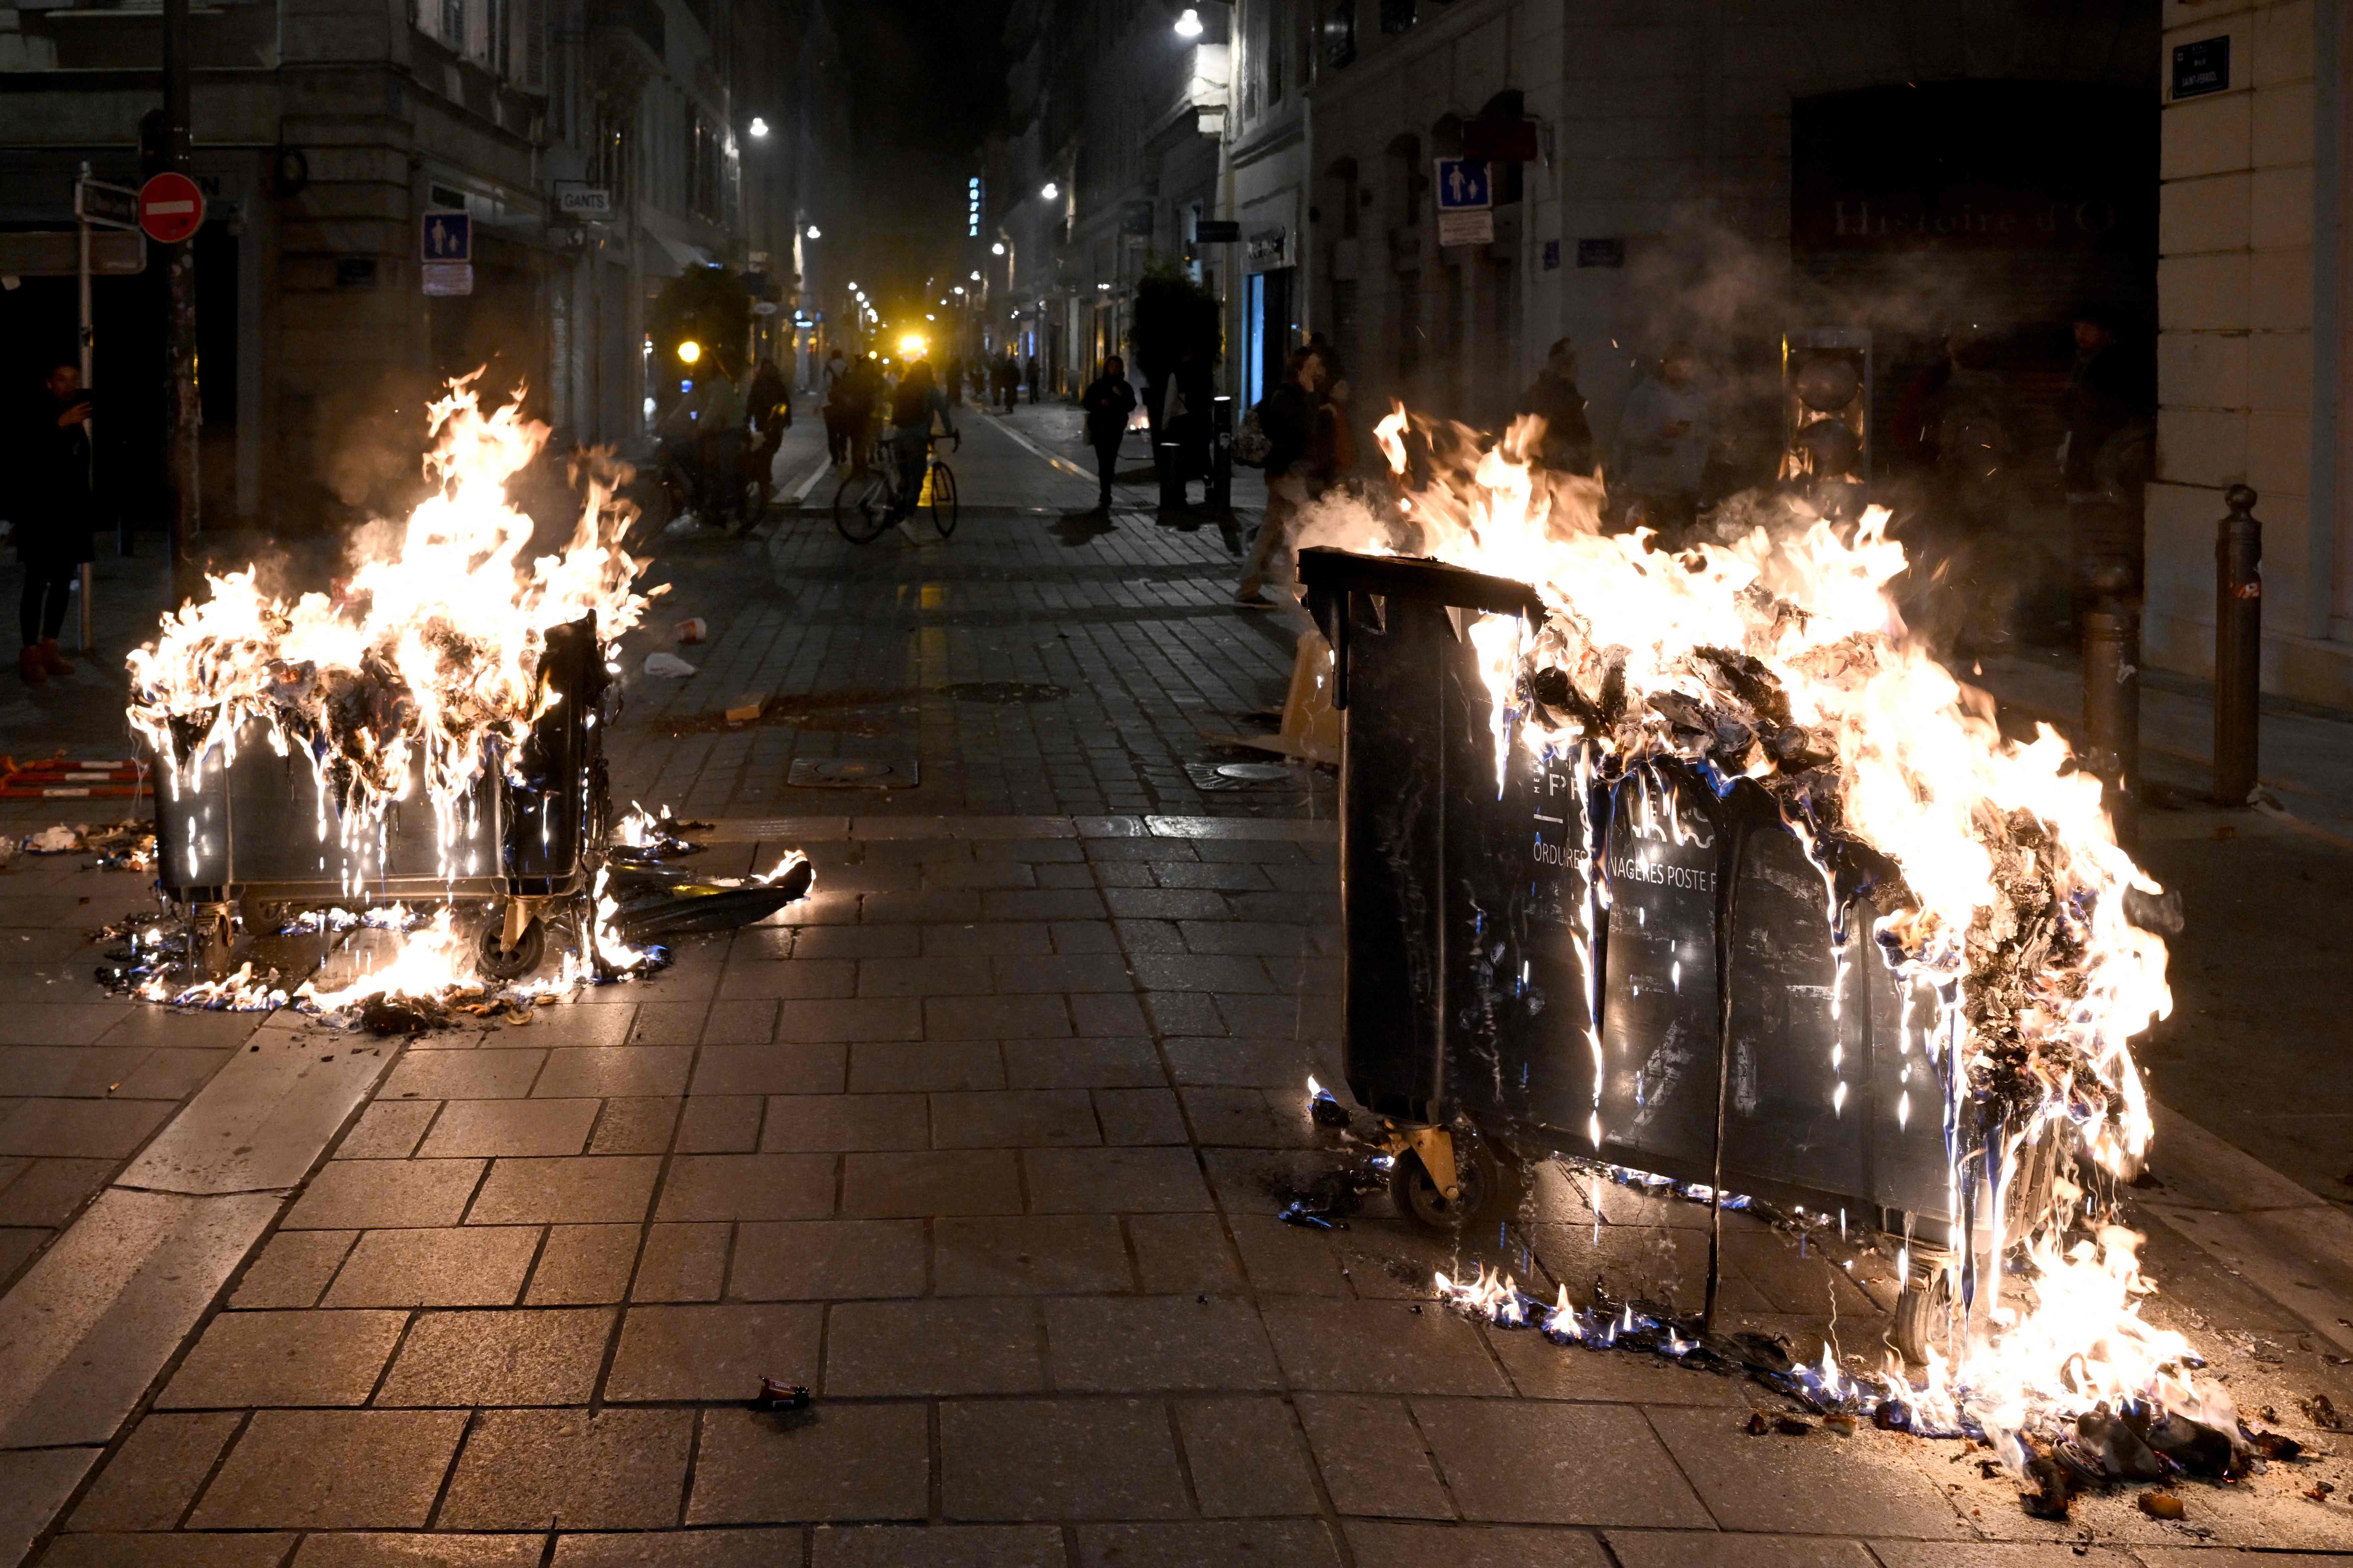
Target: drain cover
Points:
(853, 772)
(1237, 776)
(1004, 692)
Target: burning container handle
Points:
(2238, 646)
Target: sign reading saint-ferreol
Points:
(445, 241)
(2202, 67)
(1465, 202)
(578, 198)
(171, 207)
(102, 205)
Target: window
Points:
(452, 30)
(705, 170)
(1397, 16)
(1339, 32)
(1408, 355)
(1274, 45)
(609, 158)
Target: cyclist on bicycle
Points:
(914, 402)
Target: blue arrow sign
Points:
(1462, 185)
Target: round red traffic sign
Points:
(171, 208)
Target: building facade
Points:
(598, 148)
(2252, 361)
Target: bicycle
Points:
(866, 503)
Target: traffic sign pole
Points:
(181, 411)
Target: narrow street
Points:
(984, 1143)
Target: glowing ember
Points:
(1775, 655)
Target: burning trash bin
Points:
(429, 732)
(1639, 964)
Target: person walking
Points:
(956, 381)
(1299, 420)
(1008, 381)
(837, 433)
(1567, 444)
(52, 511)
(1030, 378)
(1108, 400)
(1664, 431)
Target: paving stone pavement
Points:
(983, 1143)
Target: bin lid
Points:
(1415, 577)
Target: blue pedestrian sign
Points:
(448, 236)
(1463, 186)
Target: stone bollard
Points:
(2238, 646)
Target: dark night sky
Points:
(926, 79)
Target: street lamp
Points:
(760, 126)
(1188, 25)
(1049, 190)
(688, 350)
(814, 233)
(997, 249)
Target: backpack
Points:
(1251, 446)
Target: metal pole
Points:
(2238, 646)
(181, 410)
(2112, 695)
(88, 430)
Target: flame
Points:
(427, 656)
(2025, 981)
(420, 674)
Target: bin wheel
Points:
(500, 963)
(1920, 1314)
(1486, 1190)
(210, 938)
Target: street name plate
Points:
(102, 205)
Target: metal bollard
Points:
(2112, 695)
(2238, 646)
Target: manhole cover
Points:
(853, 772)
(1237, 776)
(1005, 692)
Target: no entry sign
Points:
(171, 208)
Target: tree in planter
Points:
(1178, 334)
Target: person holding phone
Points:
(52, 513)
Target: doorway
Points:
(1266, 324)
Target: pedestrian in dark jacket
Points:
(1108, 400)
(52, 510)
(1304, 444)
(2110, 400)
(1567, 441)
(1030, 377)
